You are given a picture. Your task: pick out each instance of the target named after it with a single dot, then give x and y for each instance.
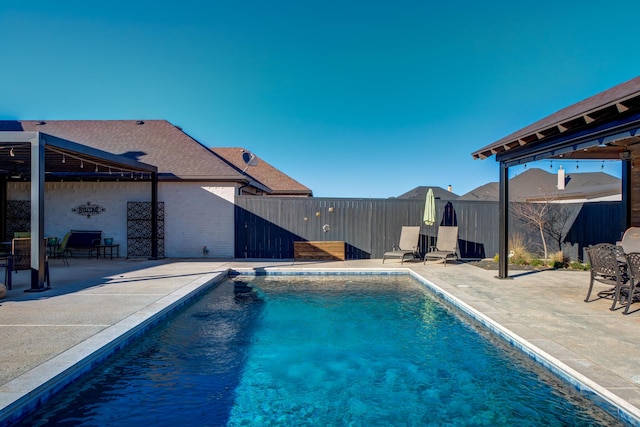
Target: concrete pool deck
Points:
(46, 336)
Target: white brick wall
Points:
(196, 214)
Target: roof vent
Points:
(140, 122)
(41, 122)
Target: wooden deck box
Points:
(315, 250)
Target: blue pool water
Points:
(322, 351)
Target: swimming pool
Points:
(319, 350)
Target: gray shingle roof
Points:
(486, 192)
(155, 142)
(421, 192)
(537, 184)
(279, 183)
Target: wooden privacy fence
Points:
(266, 227)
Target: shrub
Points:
(518, 254)
(537, 262)
(558, 260)
(579, 266)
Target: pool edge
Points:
(599, 395)
(63, 369)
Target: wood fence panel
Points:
(266, 227)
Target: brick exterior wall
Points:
(196, 214)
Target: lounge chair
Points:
(446, 245)
(408, 246)
(607, 268)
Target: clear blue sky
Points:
(351, 98)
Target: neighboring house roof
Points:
(619, 101)
(487, 193)
(539, 185)
(421, 193)
(279, 183)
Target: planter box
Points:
(332, 250)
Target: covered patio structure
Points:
(37, 157)
(605, 126)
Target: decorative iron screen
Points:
(139, 229)
(18, 217)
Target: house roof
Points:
(263, 172)
(621, 101)
(421, 192)
(154, 142)
(488, 192)
(537, 185)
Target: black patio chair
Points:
(631, 289)
(608, 266)
(21, 251)
(20, 258)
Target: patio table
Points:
(103, 249)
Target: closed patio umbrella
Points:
(429, 217)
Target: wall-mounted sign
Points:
(88, 210)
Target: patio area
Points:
(46, 335)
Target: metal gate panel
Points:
(139, 229)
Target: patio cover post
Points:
(154, 215)
(503, 235)
(626, 193)
(38, 262)
(3, 207)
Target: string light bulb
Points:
(11, 153)
(64, 159)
